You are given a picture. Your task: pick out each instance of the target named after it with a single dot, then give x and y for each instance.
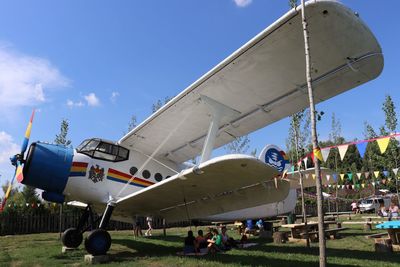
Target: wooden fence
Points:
(43, 222)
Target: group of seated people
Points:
(392, 212)
(212, 242)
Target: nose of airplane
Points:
(47, 167)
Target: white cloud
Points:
(24, 79)
(92, 100)
(7, 147)
(113, 97)
(243, 3)
(72, 104)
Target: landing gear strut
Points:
(98, 242)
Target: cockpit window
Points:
(100, 149)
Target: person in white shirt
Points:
(149, 220)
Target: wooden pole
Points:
(314, 136)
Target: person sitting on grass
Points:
(215, 243)
(190, 243)
(382, 211)
(209, 234)
(227, 241)
(393, 211)
(201, 241)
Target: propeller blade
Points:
(19, 173)
(27, 134)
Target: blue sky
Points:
(97, 63)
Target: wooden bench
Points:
(330, 233)
(378, 235)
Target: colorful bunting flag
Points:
(305, 162)
(342, 151)
(342, 176)
(313, 176)
(325, 153)
(317, 153)
(363, 185)
(335, 177)
(359, 175)
(376, 173)
(366, 175)
(373, 183)
(386, 173)
(307, 175)
(383, 144)
(362, 147)
(328, 176)
(350, 175)
(395, 170)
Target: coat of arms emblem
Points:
(96, 174)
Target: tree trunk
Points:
(321, 235)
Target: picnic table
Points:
(303, 231)
(393, 229)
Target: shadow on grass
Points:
(148, 249)
(143, 248)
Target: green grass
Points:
(45, 250)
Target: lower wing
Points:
(223, 184)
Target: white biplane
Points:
(145, 173)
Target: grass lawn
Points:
(45, 250)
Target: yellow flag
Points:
(313, 176)
(317, 153)
(383, 144)
(376, 174)
(363, 185)
(342, 176)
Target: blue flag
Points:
(361, 148)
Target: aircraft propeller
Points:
(18, 161)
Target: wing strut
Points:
(218, 111)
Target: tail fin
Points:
(275, 157)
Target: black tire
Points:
(72, 238)
(98, 242)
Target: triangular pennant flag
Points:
(386, 173)
(335, 177)
(377, 182)
(342, 176)
(292, 169)
(329, 185)
(363, 185)
(395, 170)
(325, 153)
(305, 162)
(383, 144)
(373, 183)
(307, 175)
(359, 175)
(366, 174)
(317, 153)
(376, 174)
(313, 176)
(362, 147)
(347, 186)
(350, 175)
(342, 151)
(328, 176)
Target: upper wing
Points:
(264, 81)
(308, 177)
(219, 185)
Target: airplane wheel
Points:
(98, 242)
(71, 238)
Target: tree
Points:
(314, 136)
(156, 106)
(292, 3)
(299, 135)
(336, 131)
(239, 145)
(132, 123)
(390, 114)
(61, 139)
(369, 131)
